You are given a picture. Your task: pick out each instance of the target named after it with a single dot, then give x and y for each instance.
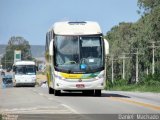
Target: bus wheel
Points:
(57, 92)
(98, 93)
(50, 90)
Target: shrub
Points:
(120, 82)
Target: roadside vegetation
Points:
(132, 42)
(148, 84)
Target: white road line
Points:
(51, 110)
(50, 98)
(34, 90)
(41, 94)
(71, 109)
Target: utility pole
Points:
(112, 69)
(137, 62)
(124, 68)
(153, 62)
(112, 61)
(123, 57)
(153, 55)
(137, 66)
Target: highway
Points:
(36, 100)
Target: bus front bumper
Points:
(24, 82)
(83, 85)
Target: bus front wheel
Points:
(51, 90)
(57, 92)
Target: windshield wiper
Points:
(63, 70)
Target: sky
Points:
(31, 19)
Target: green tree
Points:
(127, 37)
(148, 5)
(121, 39)
(16, 43)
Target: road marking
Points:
(41, 94)
(50, 98)
(34, 90)
(137, 103)
(47, 110)
(71, 109)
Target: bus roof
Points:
(24, 63)
(76, 28)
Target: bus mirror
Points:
(51, 48)
(106, 47)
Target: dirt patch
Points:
(41, 78)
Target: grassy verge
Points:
(140, 88)
(148, 84)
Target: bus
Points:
(24, 73)
(75, 53)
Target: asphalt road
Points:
(36, 100)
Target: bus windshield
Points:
(76, 54)
(25, 70)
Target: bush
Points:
(155, 77)
(120, 82)
(108, 85)
(150, 83)
(153, 83)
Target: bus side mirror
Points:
(106, 47)
(51, 47)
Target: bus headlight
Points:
(59, 77)
(101, 75)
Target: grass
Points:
(148, 84)
(140, 88)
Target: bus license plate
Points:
(80, 85)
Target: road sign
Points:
(17, 55)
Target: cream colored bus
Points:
(76, 57)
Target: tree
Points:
(148, 4)
(121, 39)
(16, 43)
(127, 37)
